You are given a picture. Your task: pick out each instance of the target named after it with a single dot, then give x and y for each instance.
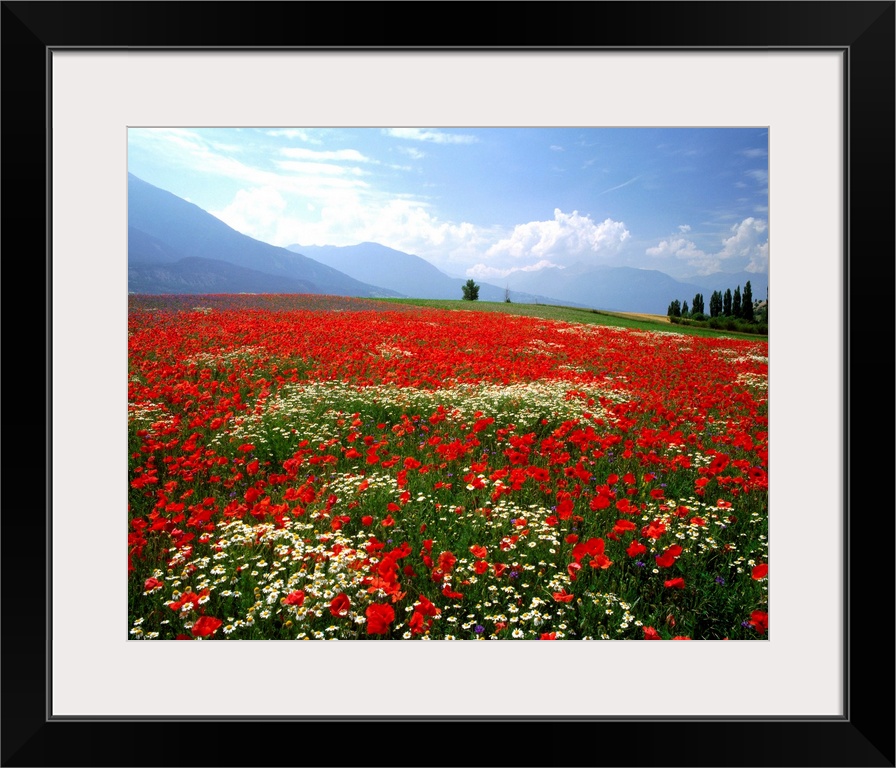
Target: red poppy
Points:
(151, 585)
(759, 621)
(667, 559)
(340, 604)
(760, 571)
(206, 625)
(448, 592)
(563, 596)
(548, 636)
(379, 618)
(651, 634)
(294, 598)
(635, 548)
(417, 623)
(677, 583)
(626, 507)
(426, 607)
(478, 551)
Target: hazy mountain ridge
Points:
(197, 275)
(164, 229)
(176, 247)
(412, 275)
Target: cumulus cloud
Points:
(748, 241)
(687, 251)
(253, 210)
(568, 237)
(746, 248)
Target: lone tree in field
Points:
(471, 291)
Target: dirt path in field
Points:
(642, 316)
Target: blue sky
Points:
(483, 202)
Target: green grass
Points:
(571, 315)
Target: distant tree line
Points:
(731, 311)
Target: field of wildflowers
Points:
(307, 467)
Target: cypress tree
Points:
(748, 302)
(727, 303)
(735, 304)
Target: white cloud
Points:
(749, 241)
(484, 272)
(314, 155)
(436, 136)
(684, 228)
(620, 186)
(746, 248)
(412, 152)
(253, 210)
(295, 133)
(758, 175)
(565, 238)
(754, 152)
(687, 251)
(315, 169)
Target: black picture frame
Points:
(864, 736)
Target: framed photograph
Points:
(819, 76)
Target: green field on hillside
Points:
(573, 315)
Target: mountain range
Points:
(176, 247)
